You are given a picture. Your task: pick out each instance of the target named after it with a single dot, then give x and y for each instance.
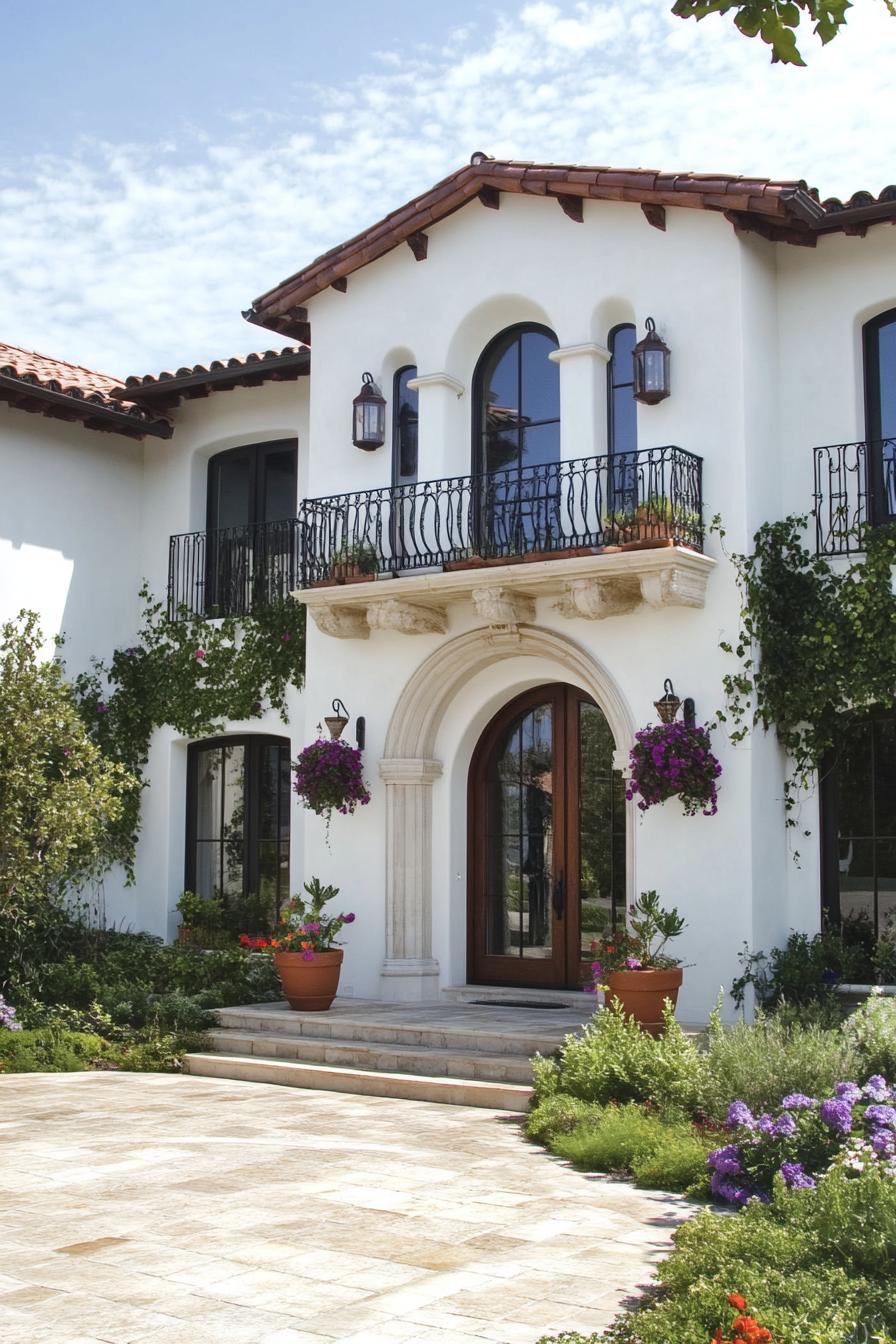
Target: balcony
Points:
(602, 533)
(855, 487)
(230, 572)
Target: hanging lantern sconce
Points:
(651, 359)
(669, 704)
(338, 720)
(369, 416)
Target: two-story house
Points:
(502, 545)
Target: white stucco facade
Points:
(766, 342)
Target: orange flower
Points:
(735, 1300)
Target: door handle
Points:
(559, 897)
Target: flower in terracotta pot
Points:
(632, 966)
(304, 948)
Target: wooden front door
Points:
(546, 840)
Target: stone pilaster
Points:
(410, 972)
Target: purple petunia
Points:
(739, 1113)
(798, 1101)
(836, 1113)
(795, 1177)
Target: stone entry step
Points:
(379, 1056)
(322, 1077)
(457, 1053)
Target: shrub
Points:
(50, 1050)
(613, 1060)
(556, 1114)
(611, 1142)
(871, 1032)
(760, 1064)
(675, 1161)
(807, 969)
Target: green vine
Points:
(192, 674)
(814, 643)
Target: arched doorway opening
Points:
(547, 840)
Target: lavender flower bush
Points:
(8, 1016)
(328, 778)
(853, 1129)
(672, 760)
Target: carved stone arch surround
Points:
(409, 768)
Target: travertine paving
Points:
(195, 1211)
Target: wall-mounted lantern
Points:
(369, 416)
(651, 359)
(669, 704)
(339, 719)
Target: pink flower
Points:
(308, 955)
(200, 653)
(590, 989)
(633, 963)
(101, 708)
(284, 639)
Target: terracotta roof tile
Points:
(34, 381)
(787, 211)
(219, 375)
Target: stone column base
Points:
(410, 979)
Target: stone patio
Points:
(191, 1211)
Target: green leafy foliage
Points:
(871, 1033)
(807, 968)
(776, 21)
(60, 796)
(837, 627)
(629, 1140)
(613, 1060)
(193, 674)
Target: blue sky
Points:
(166, 161)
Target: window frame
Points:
(253, 744)
(875, 486)
(613, 385)
(256, 452)
(832, 914)
(398, 482)
(516, 331)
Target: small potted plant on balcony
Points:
(656, 522)
(631, 966)
(304, 948)
(353, 563)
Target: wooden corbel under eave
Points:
(419, 244)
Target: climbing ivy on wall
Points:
(192, 674)
(814, 642)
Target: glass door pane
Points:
(601, 829)
(519, 840)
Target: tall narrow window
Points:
(880, 415)
(622, 421)
(516, 449)
(238, 806)
(250, 542)
(404, 427)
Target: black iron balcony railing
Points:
(519, 513)
(855, 487)
(231, 571)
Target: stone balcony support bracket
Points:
(410, 973)
(583, 587)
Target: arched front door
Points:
(546, 840)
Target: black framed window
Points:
(859, 823)
(404, 427)
(238, 816)
(622, 420)
(880, 415)
(516, 442)
(251, 502)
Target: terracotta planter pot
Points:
(471, 562)
(309, 986)
(641, 995)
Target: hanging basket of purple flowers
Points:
(328, 778)
(672, 760)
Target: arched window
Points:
(517, 401)
(516, 444)
(252, 484)
(404, 427)
(238, 809)
(622, 421)
(880, 415)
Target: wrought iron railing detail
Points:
(855, 487)
(545, 511)
(234, 570)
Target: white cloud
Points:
(136, 257)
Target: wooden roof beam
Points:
(419, 244)
(572, 206)
(655, 215)
(490, 197)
